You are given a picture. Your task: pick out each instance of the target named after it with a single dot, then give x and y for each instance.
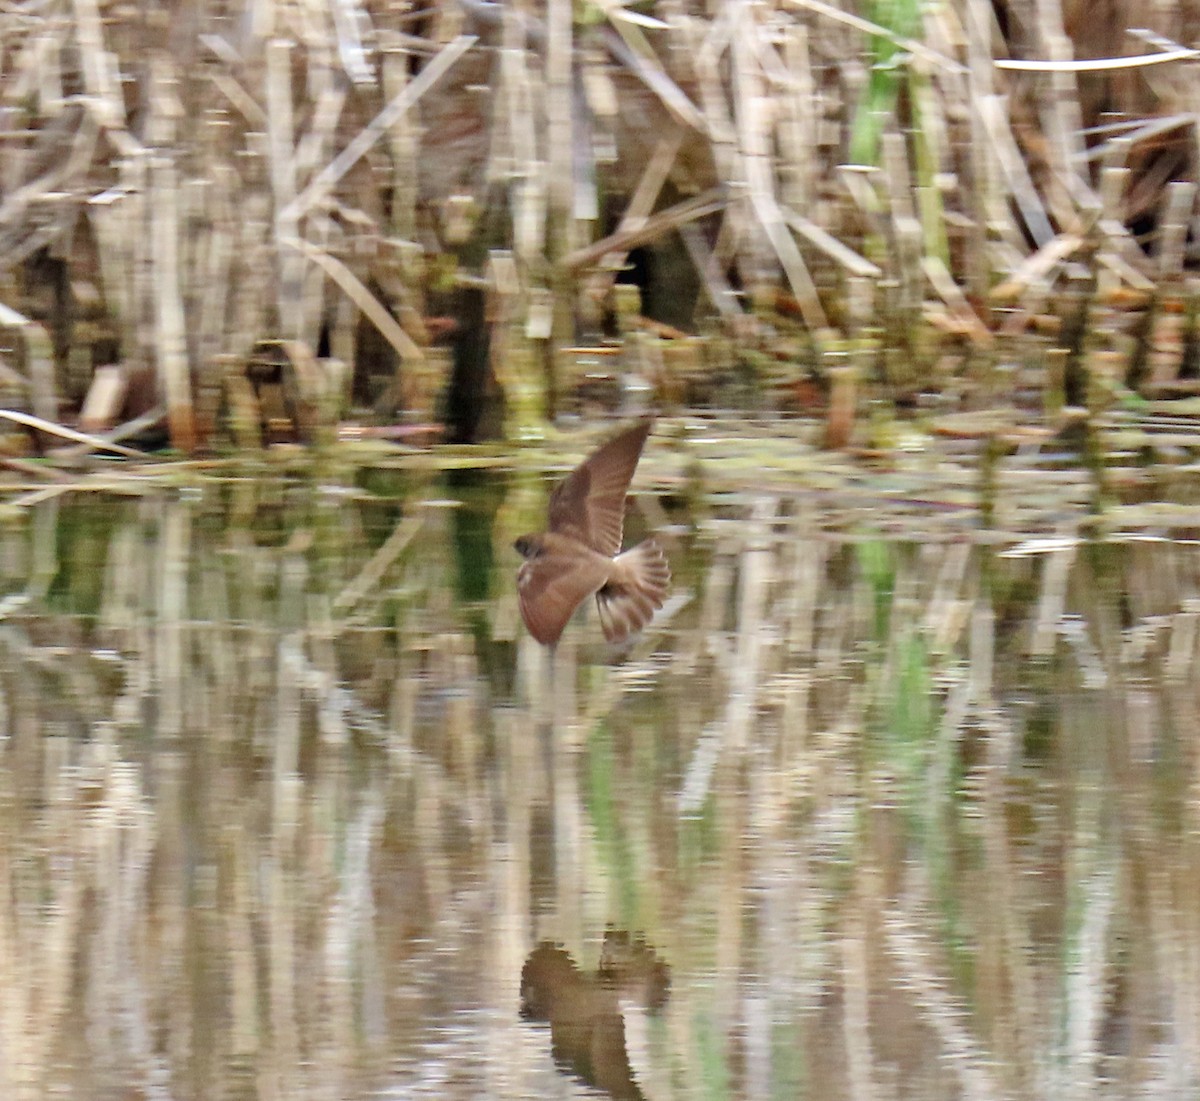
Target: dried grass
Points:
(254, 174)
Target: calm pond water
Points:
(291, 806)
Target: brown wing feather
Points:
(589, 504)
(551, 586)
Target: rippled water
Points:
(291, 807)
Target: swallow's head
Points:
(528, 546)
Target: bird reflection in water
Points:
(587, 1013)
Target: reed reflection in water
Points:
(290, 807)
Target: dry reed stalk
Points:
(324, 181)
(389, 328)
(1177, 216)
(315, 147)
(342, 342)
(563, 192)
(1120, 254)
(752, 114)
(403, 138)
(689, 210)
(1095, 64)
(193, 252)
(933, 162)
(707, 49)
(39, 363)
(833, 248)
(502, 162)
(629, 46)
(96, 442)
(986, 204)
(216, 264)
(529, 200)
(165, 289)
(510, 358)
(170, 335)
(1012, 164)
(1106, 370)
(100, 67)
(720, 293)
(1168, 328)
(951, 294)
(645, 196)
(281, 159)
(34, 470)
(1061, 118)
(246, 105)
(906, 226)
(352, 26)
(130, 203)
(36, 210)
(1038, 266)
(110, 216)
(796, 128)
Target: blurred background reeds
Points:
(470, 214)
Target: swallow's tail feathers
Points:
(635, 590)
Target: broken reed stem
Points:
(673, 217)
(352, 286)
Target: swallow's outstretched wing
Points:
(589, 505)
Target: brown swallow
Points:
(581, 553)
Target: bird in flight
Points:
(581, 554)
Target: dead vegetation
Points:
(474, 213)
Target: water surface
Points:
(292, 807)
